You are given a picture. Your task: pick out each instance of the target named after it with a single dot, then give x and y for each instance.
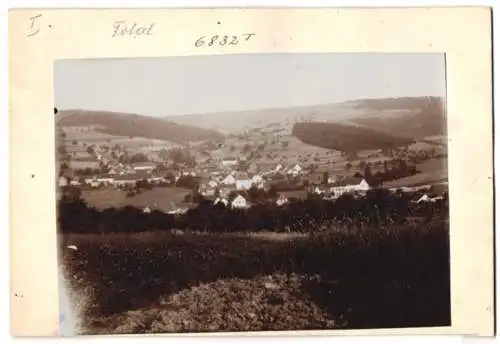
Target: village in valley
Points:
(253, 192)
(252, 166)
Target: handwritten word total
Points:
(122, 28)
(222, 40)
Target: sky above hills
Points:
(204, 84)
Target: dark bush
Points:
(377, 208)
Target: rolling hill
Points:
(410, 117)
(346, 138)
(132, 125)
(408, 103)
(426, 116)
(281, 117)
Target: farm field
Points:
(269, 119)
(82, 134)
(432, 171)
(437, 139)
(293, 153)
(81, 164)
(160, 198)
(163, 282)
(140, 144)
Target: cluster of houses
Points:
(328, 187)
(218, 185)
(356, 185)
(237, 182)
(119, 176)
(224, 181)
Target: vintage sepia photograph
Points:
(253, 192)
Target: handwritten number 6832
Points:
(221, 40)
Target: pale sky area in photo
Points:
(204, 84)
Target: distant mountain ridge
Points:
(408, 103)
(410, 117)
(283, 116)
(126, 124)
(426, 116)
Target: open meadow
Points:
(159, 198)
(433, 171)
(158, 281)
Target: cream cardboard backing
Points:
(464, 34)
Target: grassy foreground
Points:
(163, 282)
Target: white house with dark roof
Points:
(120, 169)
(156, 179)
(240, 202)
(189, 172)
(290, 196)
(117, 169)
(332, 179)
(317, 190)
(213, 183)
(207, 190)
(126, 180)
(105, 179)
(229, 180)
(222, 200)
(63, 181)
(229, 161)
(243, 181)
(258, 181)
(282, 200)
(348, 185)
(295, 170)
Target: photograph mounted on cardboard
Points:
(253, 192)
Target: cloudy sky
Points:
(203, 84)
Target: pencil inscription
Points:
(222, 40)
(123, 28)
(34, 28)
